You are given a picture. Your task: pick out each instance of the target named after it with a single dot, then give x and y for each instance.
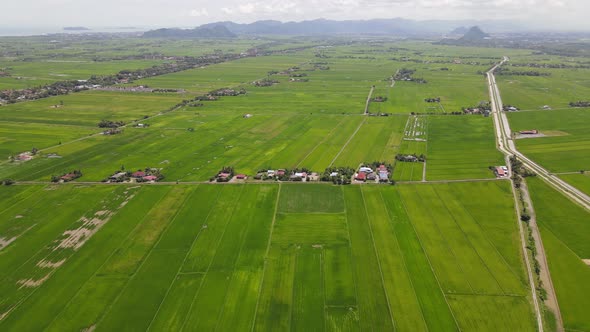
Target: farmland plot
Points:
(461, 147)
(565, 230)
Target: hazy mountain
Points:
(460, 31)
(474, 34)
(76, 29)
(218, 31)
(395, 26)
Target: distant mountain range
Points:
(395, 26)
(218, 31)
(76, 29)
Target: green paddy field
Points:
(438, 251)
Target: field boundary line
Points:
(295, 260)
(467, 238)
(147, 256)
(369, 100)
(349, 139)
(268, 245)
(350, 256)
(185, 258)
(426, 132)
(323, 274)
(429, 263)
(446, 241)
(321, 142)
(404, 260)
(24, 198)
(490, 295)
(378, 259)
(188, 315)
(233, 272)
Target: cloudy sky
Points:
(564, 14)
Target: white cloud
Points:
(247, 8)
(199, 12)
(560, 13)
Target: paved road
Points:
(506, 145)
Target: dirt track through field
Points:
(551, 301)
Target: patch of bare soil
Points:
(52, 265)
(586, 261)
(4, 242)
(18, 216)
(5, 314)
(31, 283)
(75, 238)
(90, 328)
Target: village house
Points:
(529, 132)
(150, 178)
(365, 170)
(25, 156)
(501, 171)
(118, 176)
(138, 174)
(67, 177)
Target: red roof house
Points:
(138, 174)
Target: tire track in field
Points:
(347, 142)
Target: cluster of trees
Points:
(445, 61)
(580, 103)
(110, 124)
(343, 177)
(405, 74)
(7, 182)
(518, 171)
(227, 92)
(505, 71)
(211, 96)
(48, 90)
(321, 65)
(224, 175)
(67, 177)
(549, 65)
(298, 75)
(432, 100)
(480, 108)
(164, 90)
(410, 157)
(124, 76)
(265, 82)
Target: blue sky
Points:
(552, 14)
